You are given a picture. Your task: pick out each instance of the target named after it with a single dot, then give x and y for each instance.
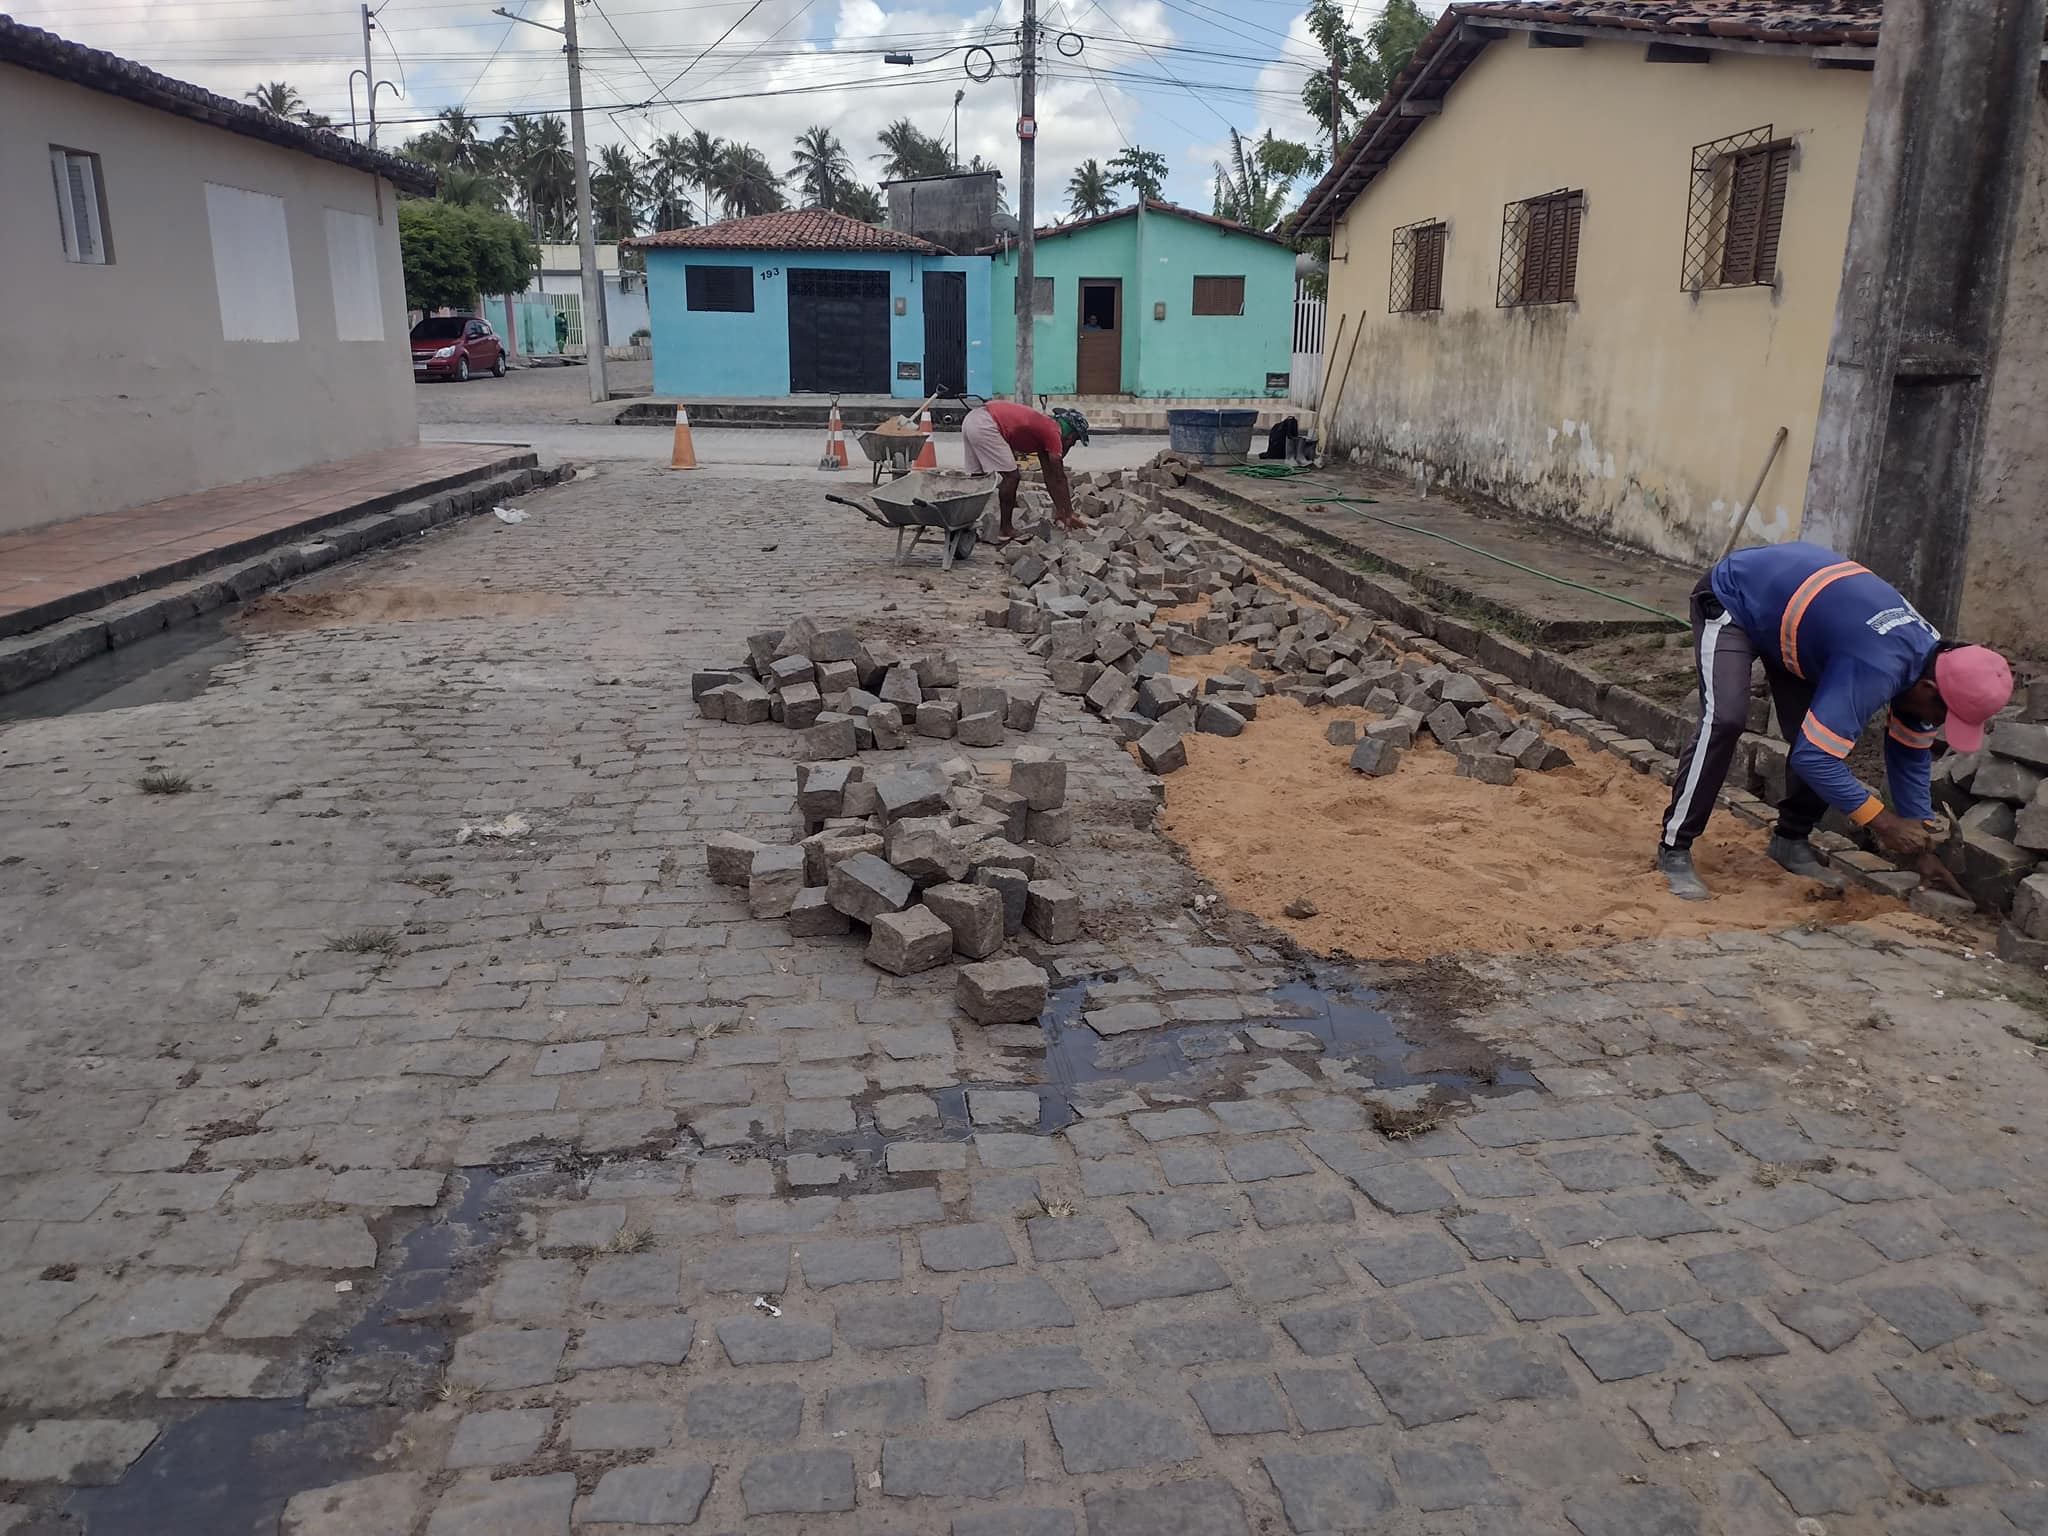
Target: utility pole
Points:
(586, 234)
(1901, 433)
(1027, 188)
(369, 77)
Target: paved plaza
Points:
(370, 1166)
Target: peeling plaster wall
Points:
(1639, 412)
(2006, 573)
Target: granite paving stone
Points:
(1827, 1320)
(1935, 1460)
(1174, 1218)
(1635, 1512)
(1692, 1412)
(759, 1411)
(1330, 1398)
(1822, 1477)
(1278, 1273)
(1202, 1340)
(1454, 1475)
(889, 1322)
(1820, 1405)
(1250, 1161)
(1929, 1315)
(951, 1469)
(1396, 1261)
(1057, 1238)
(1190, 1163)
(999, 1306)
(968, 1246)
(1413, 1384)
(1113, 1434)
(1319, 1331)
(633, 1341)
(1328, 1493)
(1643, 1287)
(850, 1261)
(1537, 1295)
(1239, 1405)
(873, 1407)
(978, 1380)
(1183, 1275)
(1447, 1311)
(1936, 1393)
(1185, 1507)
(764, 1340)
(497, 1437)
(1621, 1351)
(648, 1495)
(1514, 1369)
(798, 1483)
(625, 1426)
(1494, 1235)
(1731, 1274)
(1015, 1521)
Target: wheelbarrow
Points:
(947, 505)
(895, 452)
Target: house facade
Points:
(206, 293)
(559, 284)
(811, 302)
(1157, 302)
(1586, 263)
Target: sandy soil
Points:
(1424, 862)
(285, 612)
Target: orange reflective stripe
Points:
(1809, 589)
(1825, 739)
(1903, 733)
(1867, 812)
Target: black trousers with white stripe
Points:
(1725, 656)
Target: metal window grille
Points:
(1735, 211)
(837, 283)
(1539, 249)
(1416, 282)
(724, 289)
(1218, 296)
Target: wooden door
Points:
(1099, 348)
(945, 333)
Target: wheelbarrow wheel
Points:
(963, 543)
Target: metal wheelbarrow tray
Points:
(894, 451)
(928, 502)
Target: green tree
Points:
(702, 157)
(667, 172)
(1142, 170)
(1090, 191)
(820, 168)
(1002, 192)
(533, 155)
(617, 193)
(863, 203)
(746, 183)
(454, 255)
(279, 98)
(908, 150)
(471, 189)
(1255, 187)
(463, 136)
(1366, 66)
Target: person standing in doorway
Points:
(1838, 644)
(991, 437)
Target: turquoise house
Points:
(1158, 302)
(811, 302)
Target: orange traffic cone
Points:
(835, 441)
(684, 455)
(928, 456)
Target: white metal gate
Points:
(1305, 369)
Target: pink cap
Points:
(1975, 684)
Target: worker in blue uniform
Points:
(1838, 645)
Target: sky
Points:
(1168, 75)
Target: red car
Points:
(454, 347)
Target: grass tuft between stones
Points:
(365, 941)
(164, 781)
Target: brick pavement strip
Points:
(1709, 1273)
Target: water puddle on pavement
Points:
(170, 665)
(230, 1468)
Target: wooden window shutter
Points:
(1772, 217)
(1429, 268)
(1568, 248)
(1747, 180)
(1535, 251)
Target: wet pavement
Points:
(359, 1177)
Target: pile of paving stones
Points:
(844, 696)
(931, 862)
(1998, 799)
(1093, 606)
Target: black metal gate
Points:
(945, 333)
(838, 332)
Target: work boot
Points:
(1675, 865)
(1796, 856)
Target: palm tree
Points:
(463, 137)
(533, 155)
(821, 168)
(700, 162)
(1089, 192)
(617, 192)
(909, 151)
(1246, 190)
(279, 98)
(667, 173)
(471, 189)
(863, 203)
(746, 183)
(991, 168)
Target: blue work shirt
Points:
(1859, 643)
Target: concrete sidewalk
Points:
(51, 573)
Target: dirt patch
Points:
(1424, 862)
(280, 613)
(1658, 664)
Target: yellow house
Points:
(1585, 256)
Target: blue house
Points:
(811, 302)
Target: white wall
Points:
(120, 384)
(624, 311)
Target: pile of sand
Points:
(279, 613)
(1424, 862)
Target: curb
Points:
(41, 655)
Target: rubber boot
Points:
(1796, 856)
(1675, 865)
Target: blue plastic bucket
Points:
(1214, 437)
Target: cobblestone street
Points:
(365, 1172)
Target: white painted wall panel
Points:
(252, 265)
(352, 261)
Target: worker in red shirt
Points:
(992, 436)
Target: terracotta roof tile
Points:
(803, 229)
(48, 54)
